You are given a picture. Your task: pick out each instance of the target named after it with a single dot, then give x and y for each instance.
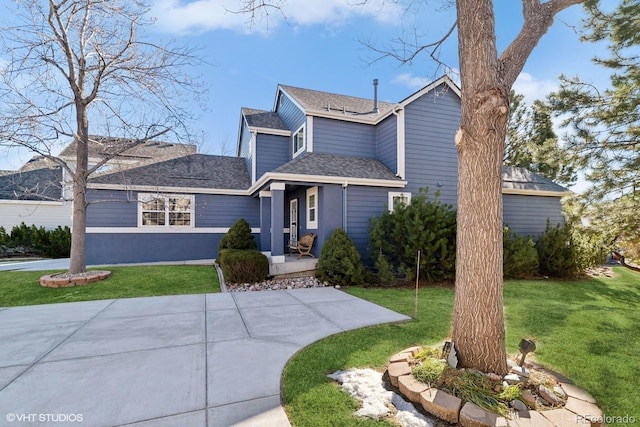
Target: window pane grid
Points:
(166, 211)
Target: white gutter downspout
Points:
(400, 141)
(344, 205)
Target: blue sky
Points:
(319, 47)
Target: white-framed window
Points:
(396, 198)
(298, 141)
(165, 210)
(312, 208)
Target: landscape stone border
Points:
(580, 408)
(66, 280)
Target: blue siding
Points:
(292, 117)
(364, 203)
(214, 210)
(271, 152)
(119, 248)
(343, 138)
(111, 208)
(245, 146)
(386, 142)
(329, 214)
(431, 160)
(528, 214)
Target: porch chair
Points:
(302, 246)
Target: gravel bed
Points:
(277, 284)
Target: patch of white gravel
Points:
(366, 385)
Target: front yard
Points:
(22, 287)
(587, 330)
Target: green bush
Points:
(557, 252)
(238, 237)
(244, 266)
(520, 257)
(425, 225)
(386, 276)
(33, 240)
(339, 262)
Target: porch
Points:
(292, 265)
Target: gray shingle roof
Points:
(263, 119)
(334, 165)
(331, 102)
(194, 171)
(149, 150)
(516, 178)
(33, 184)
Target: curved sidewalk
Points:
(189, 360)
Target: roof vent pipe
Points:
(375, 95)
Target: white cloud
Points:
(533, 89)
(411, 81)
(180, 16)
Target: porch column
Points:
(277, 222)
(265, 221)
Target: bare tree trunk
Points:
(78, 263)
(478, 319)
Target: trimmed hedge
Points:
(238, 237)
(243, 265)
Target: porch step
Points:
(292, 266)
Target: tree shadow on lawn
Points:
(587, 329)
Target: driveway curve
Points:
(211, 360)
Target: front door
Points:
(293, 220)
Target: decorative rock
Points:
(452, 358)
(494, 377)
(472, 415)
(396, 370)
(529, 397)
(511, 363)
(514, 379)
(441, 404)
(411, 388)
(520, 370)
(560, 392)
(586, 412)
(277, 284)
(574, 391)
(518, 405)
(561, 417)
(549, 396)
(530, 419)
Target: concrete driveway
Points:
(189, 360)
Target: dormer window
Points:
(298, 141)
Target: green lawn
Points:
(588, 330)
(22, 288)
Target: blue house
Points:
(315, 162)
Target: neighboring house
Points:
(316, 162)
(40, 192)
(33, 195)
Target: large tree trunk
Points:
(478, 320)
(78, 263)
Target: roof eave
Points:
(532, 192)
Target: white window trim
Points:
(312, 225)
(304, 141)
(142, 198)
(394, 194)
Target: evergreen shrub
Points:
(425, 224)
(238, 237)
(339, 262)
(244, 265)
(520, 257)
